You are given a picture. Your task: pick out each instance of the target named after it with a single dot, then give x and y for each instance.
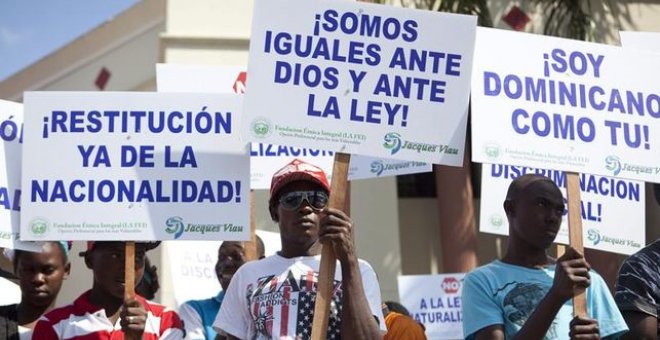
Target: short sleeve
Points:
(372, 293)
(234, 316)
(603, 308)
(633, 288)
(480, 310)
(192, 322)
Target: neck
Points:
(289, 251)
(106, 301)
(522, 254)
(29, 314)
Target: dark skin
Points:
(534, 218)
(304, 231)
(106, 261)
(231, 256)
(40, 278)
(642, 326)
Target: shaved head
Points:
(521, 183)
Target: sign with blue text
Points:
(613, 209)
(134, 166)
(568, 105)
(360, 78)
(434, 301)
(11, 132)
(266, 159)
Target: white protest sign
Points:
(266, 159)
(192, 264)
(360, 78)
(435, 301)
(11, 134)
(613, 209)
(134, 166)
(568, 105)
(649, 41)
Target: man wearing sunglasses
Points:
(274, 298)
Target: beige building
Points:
(397, 220)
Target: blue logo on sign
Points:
(174, 226)
(613, 164)
(392, 142)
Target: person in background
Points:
(637, 292)
(40, 275)
(149, 285)
(198, 315)
(102, 312)
(527, 294)
(400, 325)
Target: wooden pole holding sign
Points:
(251, 245)
(575, 232)
(129, 274)
(338, 190)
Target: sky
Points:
(32, 29)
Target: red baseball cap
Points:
(297, 170)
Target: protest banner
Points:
(133, 166)
(360, 78)
(266, 159)
(609, 207)
(563, 104)
(192, 266)
(434, 301)
(547, 102)
(11, 132)
(648, 41)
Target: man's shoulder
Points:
(487, 270)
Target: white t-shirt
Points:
(11, 292)
(274, 299)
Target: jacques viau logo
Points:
(392, 142)
(174, 226)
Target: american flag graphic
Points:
(278, 299)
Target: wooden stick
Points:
(129, 270)
(575, 232)
(251, 246)
(561, 249)
(328, 257)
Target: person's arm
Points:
(357, 321)
(642, 326)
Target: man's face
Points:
(536, 213)
(41, 274)
(231, 256)
(107, 261)
(299, 226)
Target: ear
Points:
(509, 208)
(67, 270)
(88, 260)
(273, 213)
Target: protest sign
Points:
(266, 159)
(360, 78)
(568, 105)
(133, 166)
(613, 209)
(649, 41)
(192, 264)
(435, 301)
(11, 132)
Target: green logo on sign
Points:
(38, 227)
(261, 128)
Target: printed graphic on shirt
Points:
(289, 301)
(519, 303)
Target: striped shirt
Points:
(84, 321)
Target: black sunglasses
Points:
(316, 199)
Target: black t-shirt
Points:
(638, 283)
(9, 322)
